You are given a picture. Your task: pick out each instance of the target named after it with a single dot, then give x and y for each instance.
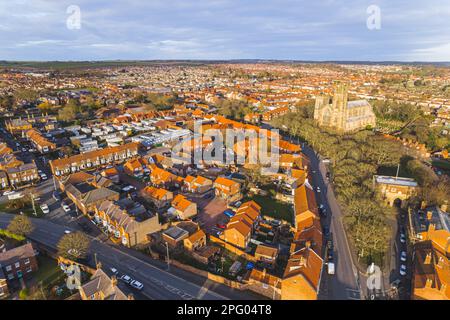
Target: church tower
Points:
(340, 100)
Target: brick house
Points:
(92, 159)
(24, 174)
(19, 262)
(197, 184)
(183, 208)
(126, 222)
(39, 142)
(102, 287)
(158, 196)
(195, 241)
(227, 189)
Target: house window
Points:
(265, 286)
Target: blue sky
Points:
(413, 30)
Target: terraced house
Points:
(158, 196)
(126, 221)
(92, 159)
(23, 175)
(39, 142)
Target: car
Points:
(44, 208)
(43, 176)
(67, 231)
(24, 149)
(32, 150)
(136, 284)
(221, 226)
(403, 256)
(128, 188)
(318, 189)
(326, 232)
(403, 270)
(402, 238)
(56, 196)
(7, 193)
(114, 270)
(40, 171)
(65, 207)
(237, 204)
(126, 278)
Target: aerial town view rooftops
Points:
(223, 179)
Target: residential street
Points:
(158, 282)
(343, 284)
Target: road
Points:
(159, 284)
(344, 284)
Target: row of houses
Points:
(15, 173)
(93, 159)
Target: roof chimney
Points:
(114, 281)
(427, 258)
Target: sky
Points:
(319, 30)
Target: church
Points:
(339, 113)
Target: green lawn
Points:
(272, 207)
(48, 271)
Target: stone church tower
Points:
(339, 113)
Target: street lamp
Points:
(168, 259)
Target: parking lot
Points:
(210, 213)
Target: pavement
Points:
(159, 284)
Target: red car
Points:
(221, 226)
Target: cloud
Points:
(224, 29)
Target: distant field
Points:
(91, 64)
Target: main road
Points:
(159, 284)
(344, 284)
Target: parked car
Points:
(114, 270)
(318, 189)
(126, 278)
(128, 188)
(403, 270)
(403, 256)
(8, 192)
(402, 238)
(67, 231)
(65, 207)
(44, 208)
(221, 226)
(43, 176)
(136, 284)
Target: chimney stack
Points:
(427, 258)
(114, 281)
